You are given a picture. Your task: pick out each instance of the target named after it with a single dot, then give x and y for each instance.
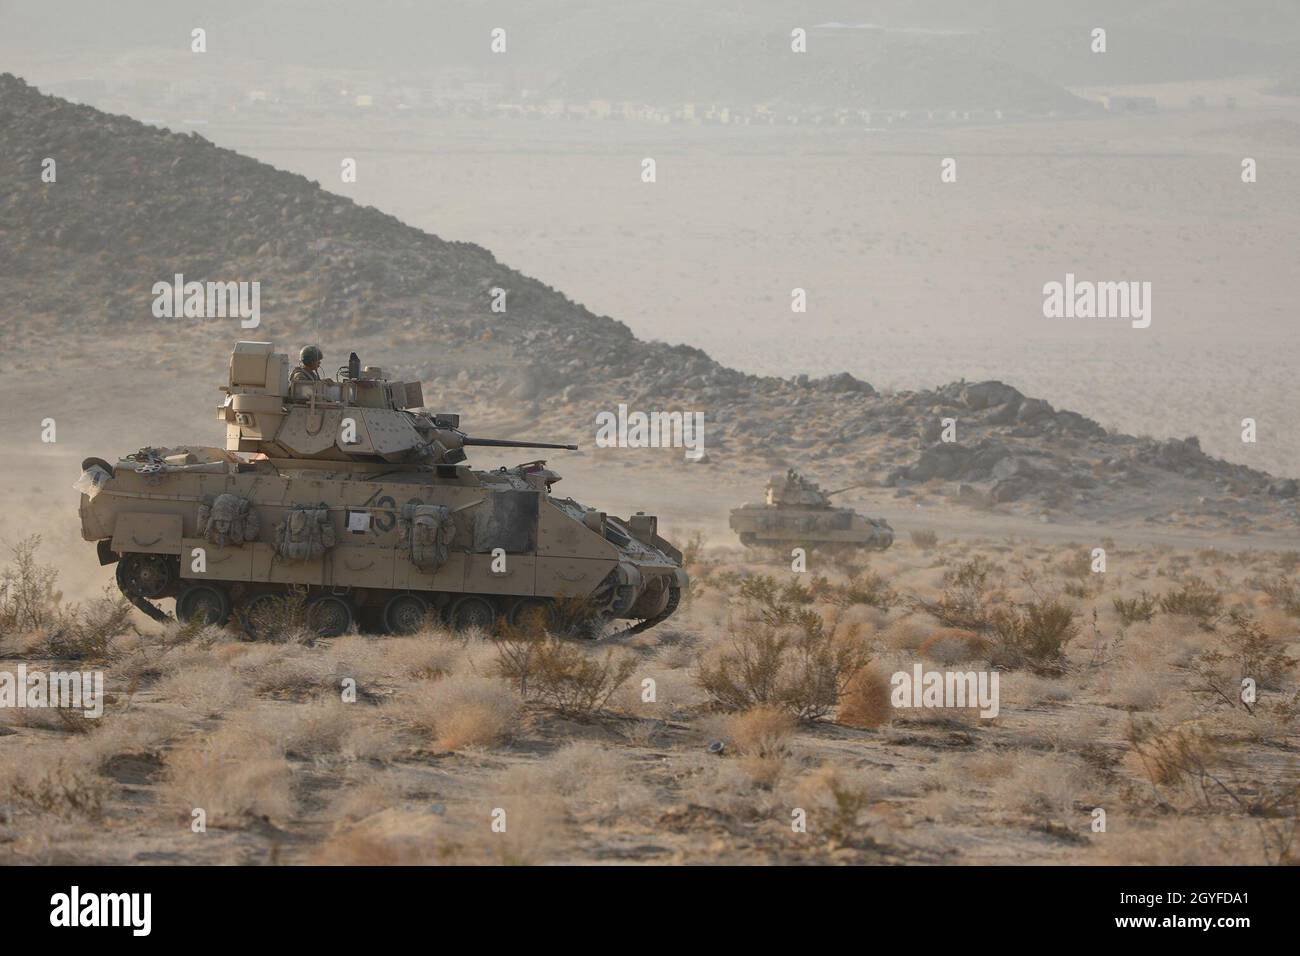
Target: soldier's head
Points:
(310, 357)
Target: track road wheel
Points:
(532, 612)
(261, 615)
(206, 603)
(330, 615)
(145, 575)
(405, 613)
(473, 612)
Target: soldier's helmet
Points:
(310, 355)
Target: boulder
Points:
(988, 395)
(1284, 488)
(844, 382)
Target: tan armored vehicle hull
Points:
(797, 513)
(385, 541)
(771, 526)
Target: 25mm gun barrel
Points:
(511, 443)
(860, 484)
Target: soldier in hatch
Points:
(308, 369)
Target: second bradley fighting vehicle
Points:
(346, 493)
(796, 513)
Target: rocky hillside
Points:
(133, 205)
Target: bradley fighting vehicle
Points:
(343, 490)
(797, 513)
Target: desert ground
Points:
(770, 702)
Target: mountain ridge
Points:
(134, 205)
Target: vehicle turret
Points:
(361, 417)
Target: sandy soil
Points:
(437, 747)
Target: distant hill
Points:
(853, 68)
(654, 49)
(134, 205)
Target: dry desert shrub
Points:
(983, 769)
(594, 780)
(130, 734)
(906, 634)
(970, 592)
(381, 663)
(865, 700)
(837, 801)
(561, 674)
(1134, 688)
(1141, 608)
(424, 656)
(780, 656)
(1033, 634)
(1245, 652)
(522, 819)
(207, 690)
(61, 790)
(863, 587)
(31, 604)
(365, 659)
(65, 720)
(1171, 757)
(743, 787)
(281, 618)
(795, 592)
(1041, 784)
(29, 600)
(641, 733)
(389, 837)
(321, 728)
(760, 589)
(86, 631)
(1077, 564)
(693, 551)
(462, 711)
(233, 775)
(925, 540)
(1272, 721)
(573, 616)
(949, 645)
(364, 791)
(674, 691)
(1025, 688)
(290, 671)
(1188, 759)
(1183, 841)
(1194, 598)
(677, 655)
(65, 785)
(868, 588)
(762, 731)
(942, 806)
